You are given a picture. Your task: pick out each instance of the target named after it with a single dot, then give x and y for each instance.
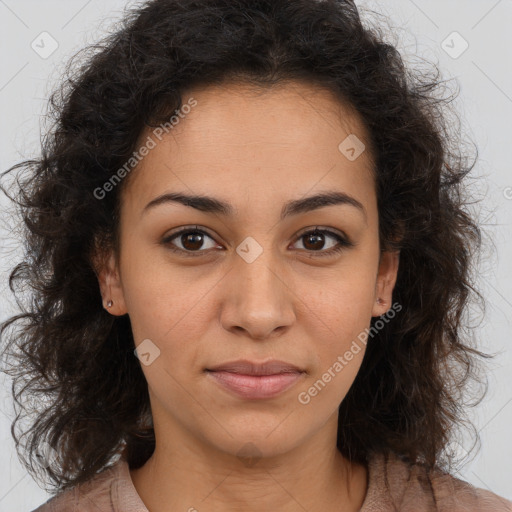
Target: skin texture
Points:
(256, 150)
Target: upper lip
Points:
(245, 367)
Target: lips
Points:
(255, 381)
(245, 367)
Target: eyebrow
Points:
(209, 204)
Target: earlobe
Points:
(386, 279)
(110, 285)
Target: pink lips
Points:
(254, 381)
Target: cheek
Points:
(163, 301)
(173, 326)
(337, 316)
(172, 310)
(325, 390)
(337, 328)
(339, 305)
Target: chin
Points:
(252, 443)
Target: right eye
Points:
(191, 240)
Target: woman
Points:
(249, 252)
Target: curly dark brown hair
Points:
(409, 395)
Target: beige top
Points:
(411, 489)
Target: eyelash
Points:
(343, 242)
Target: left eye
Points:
(318, 236)
(192, 240)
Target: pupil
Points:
(192, 240)
(315, 238)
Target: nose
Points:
(259, 299)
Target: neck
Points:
(189, 475)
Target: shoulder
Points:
(397, 485)
(94, 495)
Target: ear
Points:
(109, 279)
(386, 279)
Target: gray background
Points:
(484, 75)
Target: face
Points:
(247, 279)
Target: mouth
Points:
(256, 381)
(245, 367)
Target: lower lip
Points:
(253, 387)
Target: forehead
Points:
(285, 112)
(239, 139)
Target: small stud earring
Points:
(379, 301)
(110, 303)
